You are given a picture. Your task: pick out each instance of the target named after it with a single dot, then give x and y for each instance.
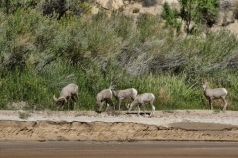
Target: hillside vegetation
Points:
(42, 51)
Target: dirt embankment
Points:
(104, 131)
(170, 125)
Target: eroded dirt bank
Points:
(117, 131)
(62, 126)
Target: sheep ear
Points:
(204, 81)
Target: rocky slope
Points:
(226, 17)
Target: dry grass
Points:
(163, 95)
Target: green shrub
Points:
(199, 12)
(149, 26)
(171, 16)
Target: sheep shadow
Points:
(136, 113)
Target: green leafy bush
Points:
(199, 12)
(171, 16)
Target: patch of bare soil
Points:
(233, 27)
(118, 126)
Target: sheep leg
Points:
(153, 110)
(77, 96)
(107, 103)
(107, 106)
(100, 106)
(127, 106)
(130, 107)
(68, 103)
(74, 104)
(75, 101)
(119, 104)
(63, 105)
(225, 102)
(138, 109)
(113, 105)
(144, 109)
(210, 103)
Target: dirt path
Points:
(165, 125)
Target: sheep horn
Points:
(62, 98)
(55, 99)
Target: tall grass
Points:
(39, 56)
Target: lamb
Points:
(217, 93)
(68, 92)
(120, 95)
(141, 100)
(104, 96)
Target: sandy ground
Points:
(119, 126)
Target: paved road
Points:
(73, 149)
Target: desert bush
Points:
(148, 26)
(122, 25)
(25, 38)
(59, 8)
(10, 7)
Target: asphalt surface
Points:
(144, 149)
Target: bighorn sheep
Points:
(141, 100)
(68, 92)
(104, 96)
(120, 95)
(217, 93)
